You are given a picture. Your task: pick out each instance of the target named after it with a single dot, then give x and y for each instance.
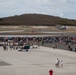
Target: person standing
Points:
(61, 63)
(51, 72)
(57, 63)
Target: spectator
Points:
(61, 63)
(57, 63)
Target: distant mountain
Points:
(36, 19)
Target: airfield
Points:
(37, 61)
(35, 30)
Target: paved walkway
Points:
(37, 62)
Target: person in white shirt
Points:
(57, 62)
(61, 63)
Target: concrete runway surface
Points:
(37, 62)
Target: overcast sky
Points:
(62, 8)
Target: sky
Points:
(61, 8)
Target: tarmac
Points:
(37, 61)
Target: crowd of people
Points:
(21, 41)
(50, 39)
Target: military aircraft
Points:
(60, 27)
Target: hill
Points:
(36, 19)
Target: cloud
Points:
(63, 8)
(60, 13)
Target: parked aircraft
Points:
(61, 27)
